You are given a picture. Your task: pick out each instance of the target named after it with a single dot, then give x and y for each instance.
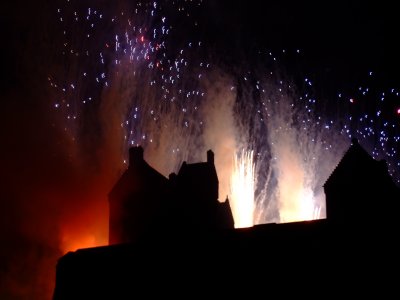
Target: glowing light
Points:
(242, 189)
(301, 206)
(75, 242)
(295, 141)
(295, 195)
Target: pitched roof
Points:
(356, 161)
(139, 174)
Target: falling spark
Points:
(151, 82)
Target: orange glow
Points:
(86, 227)
(73, 243)
(84, 231)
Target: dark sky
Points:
(348, 35)
(42, 184)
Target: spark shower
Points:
(145, 73)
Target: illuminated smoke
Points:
(294, 188)
(301, 158)
(220, 130)
(166, 94)
(121, 76)
(286, 183)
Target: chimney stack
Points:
(135, 155)
(210, 157)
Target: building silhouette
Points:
(172, 238)
(136, 199)
(144, 203)
(360, 190)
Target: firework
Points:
(142, 73)
(242, 191)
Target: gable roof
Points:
(138, 175)
(357, 162)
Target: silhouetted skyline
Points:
(157, 226)
(60, 156)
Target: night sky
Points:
(54, 183)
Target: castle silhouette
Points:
(171, 235)
(144, 203)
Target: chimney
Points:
(135, 155)
(210, 157)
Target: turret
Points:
(210, 157)
(135, 156)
